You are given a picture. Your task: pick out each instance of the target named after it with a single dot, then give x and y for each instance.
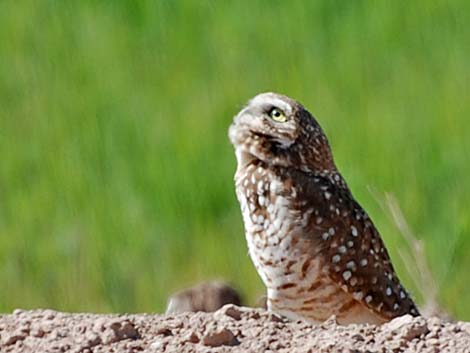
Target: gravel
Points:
(230, 329)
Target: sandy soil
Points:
(230, 329)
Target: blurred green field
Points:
(116, 172)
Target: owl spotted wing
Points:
(351, 246)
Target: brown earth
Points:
(230, 329)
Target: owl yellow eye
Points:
(277, 115)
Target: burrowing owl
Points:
(315, 248)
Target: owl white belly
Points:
(297, 285)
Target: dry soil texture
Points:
(231, 329)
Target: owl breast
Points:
(285, 258)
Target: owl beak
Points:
(239, 127)
(232, 134)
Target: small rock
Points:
(399, 322)
(91, 339)
(158, 345)
(49, 314)
(118, 330)
(221, 337)
(255, 316)
(434, 322)
(165, 331)
(358, 337)
(12, 338)
(192, 337)
(232, 311)
(432, 342)
(37, 332)
(330, 322)
(408, 327)
(275, 318)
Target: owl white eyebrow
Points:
(264, 100)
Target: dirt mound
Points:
(230, 329)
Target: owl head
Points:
(280, 132)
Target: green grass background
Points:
(116, 172)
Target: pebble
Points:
(220, 337)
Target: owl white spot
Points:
(261, 200)
(336, 177)
(396, 306)
(413, 311)
(273, 240)
(350, 244)
(319, 220)
(374, 280)
(253, 179)
(388, 291)
(325, 236)
(331, 231)
(327, 195)
(260, 170)
(358, 217)
(402, 294)
(337, 211)
(390, 276)
(342, 249)
(260, 219)
(353, 281)
(245, 182)
(351, 265)
(347, 275)
(336, 258)
(363, 262)
(368, 298)
(372, 251)
(354, 231)
(358, 295)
